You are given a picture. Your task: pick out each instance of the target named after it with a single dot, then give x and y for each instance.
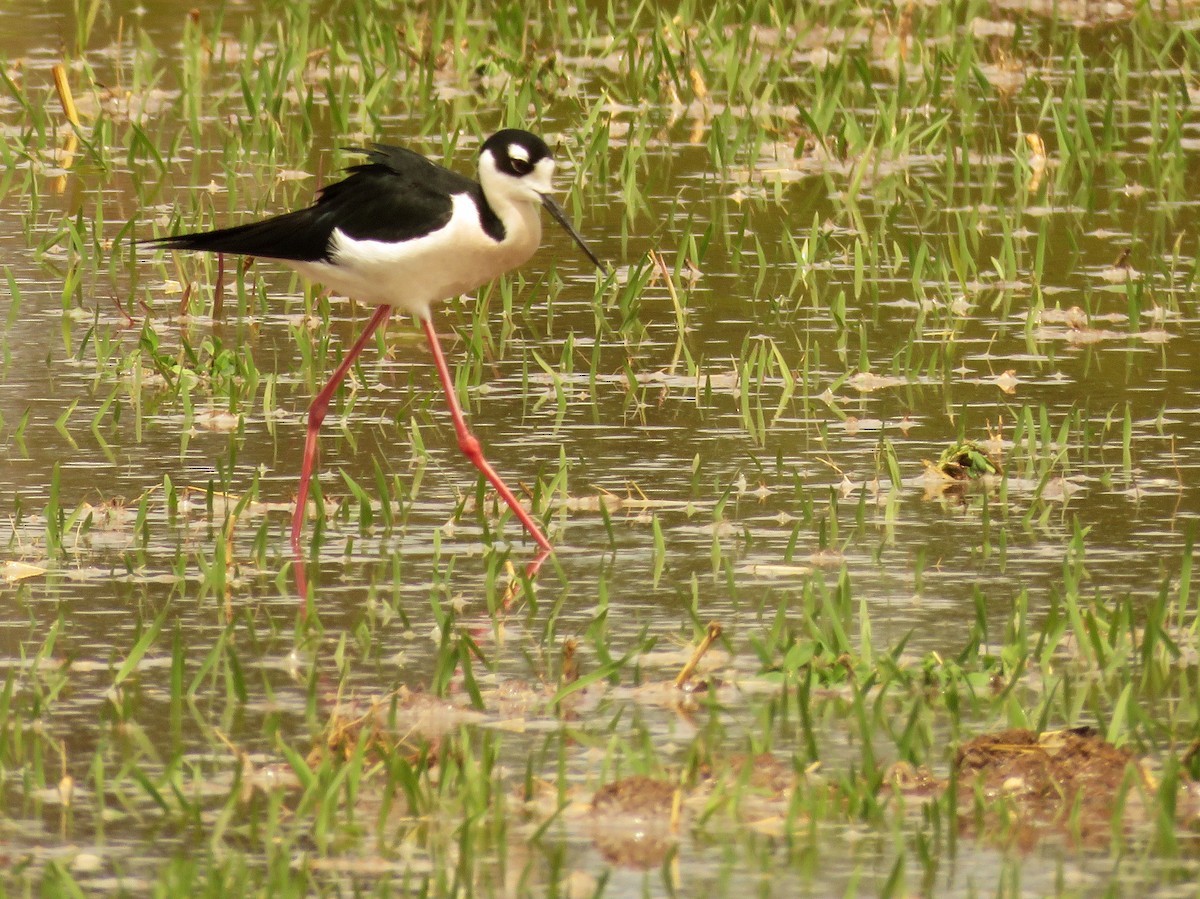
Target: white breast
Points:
(413, 274)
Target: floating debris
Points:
(865, 382)
(684, 679)
(967, 461)
(19, 571)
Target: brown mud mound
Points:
(1070, 782)
(1019, 787)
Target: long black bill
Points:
(561, 217)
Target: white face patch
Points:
(518, 152)
(542, 176)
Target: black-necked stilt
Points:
(403, 232)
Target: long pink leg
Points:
(468, 443)
(316, 415)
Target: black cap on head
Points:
(516, 152)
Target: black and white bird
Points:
(402, 232)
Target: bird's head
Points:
(517, 166)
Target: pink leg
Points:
(468, 443)
(316, 415)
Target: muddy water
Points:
(732, 488)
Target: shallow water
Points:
(745, 455)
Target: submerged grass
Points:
(843, 238)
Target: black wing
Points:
(396, 195)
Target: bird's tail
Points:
(289, 236)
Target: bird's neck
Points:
(513, 224)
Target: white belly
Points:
(414, 274)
